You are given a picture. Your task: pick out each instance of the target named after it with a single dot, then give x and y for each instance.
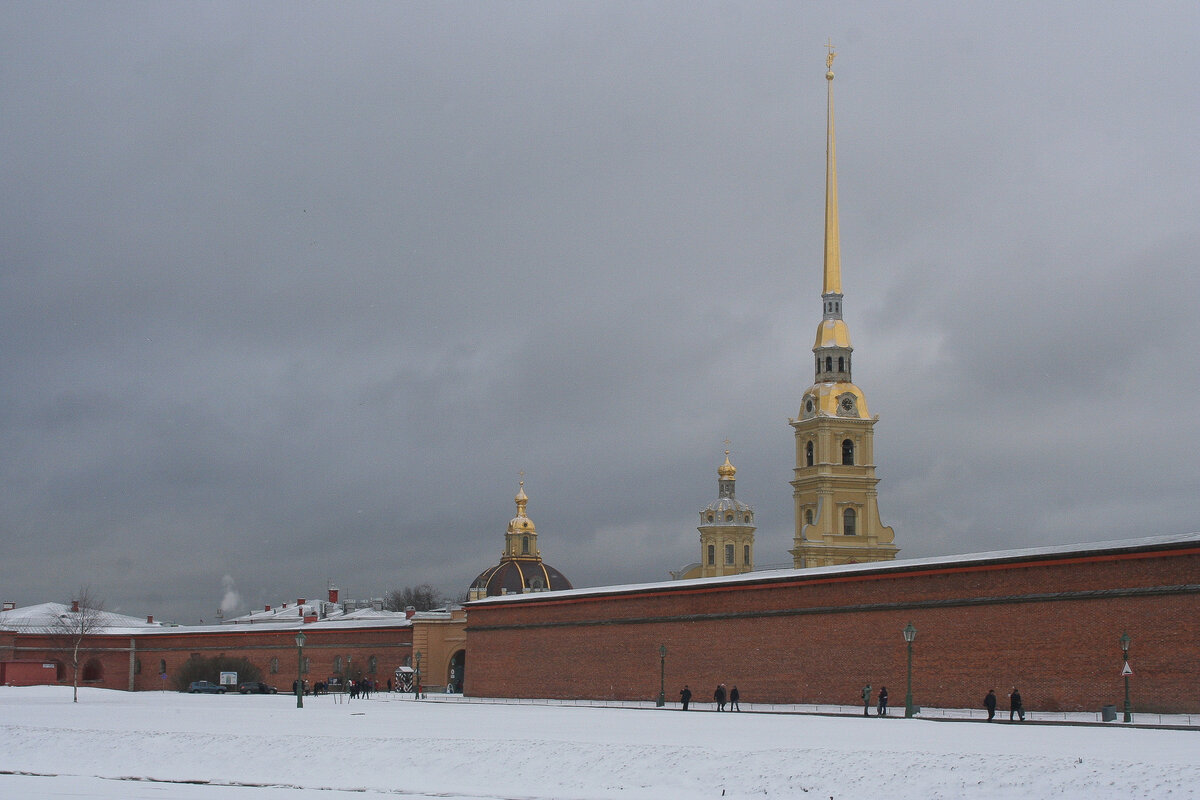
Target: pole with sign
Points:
(1126, 672)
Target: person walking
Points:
(734, 696)
(989, 703)
(685, 696)
(866, 698)
(719, 697)
(1015, 706)
(882, 710)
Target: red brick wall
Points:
(1048, 626)
(390, 646)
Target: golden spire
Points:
(833, 249)
(521, 498)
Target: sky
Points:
(292, 293)
(261, 747)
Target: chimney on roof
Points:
(268, 608)
(74, 606)
(301, 601)
(149, 619)
(9, 606)
(333, 594)
(409, 611)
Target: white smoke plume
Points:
(232, 600)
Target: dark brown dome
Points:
(519, 575)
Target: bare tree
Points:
(422, 598)
(71, 628)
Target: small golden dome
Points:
(832, 333)
(726, 471)
(521, 523)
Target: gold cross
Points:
(829, 58)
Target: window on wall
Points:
(525, 545)
(847, 452)
(274, 666)
(729, 555)
(337, 664)
(304, 666)
(808, 516)
(712, 554)
(841, 364)
(849, 522)
(746, 554)
(162, 666)
(92, 670)
(137, 666)
(829, 363)
(808, 454)
(372, 664)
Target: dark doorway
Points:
(458, 667)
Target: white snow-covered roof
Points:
(899, 565)
(41, 619)
(46, 618)
(355, 620)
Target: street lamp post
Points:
(910, 633)
(662, 676)
(1125, 640)
(417, 683)
(300, 669)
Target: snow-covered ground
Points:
(201, 747)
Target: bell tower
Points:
(726, 529)
(834, 483)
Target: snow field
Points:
(263, 747)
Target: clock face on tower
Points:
(847, 407)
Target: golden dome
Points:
(726, 471)
(832, 333)
(521, 523)
(830, 400)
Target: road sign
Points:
(1127, 670)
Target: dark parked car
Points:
(204, 687)
(256, 687)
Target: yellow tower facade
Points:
(834, 483)
(726, 532)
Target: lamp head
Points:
(1125, 640)
(909, 632)
(300, 639)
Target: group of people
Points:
(881, 709)
(361, 688)
(1015, 706)
(732, 696)
(721, 696)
